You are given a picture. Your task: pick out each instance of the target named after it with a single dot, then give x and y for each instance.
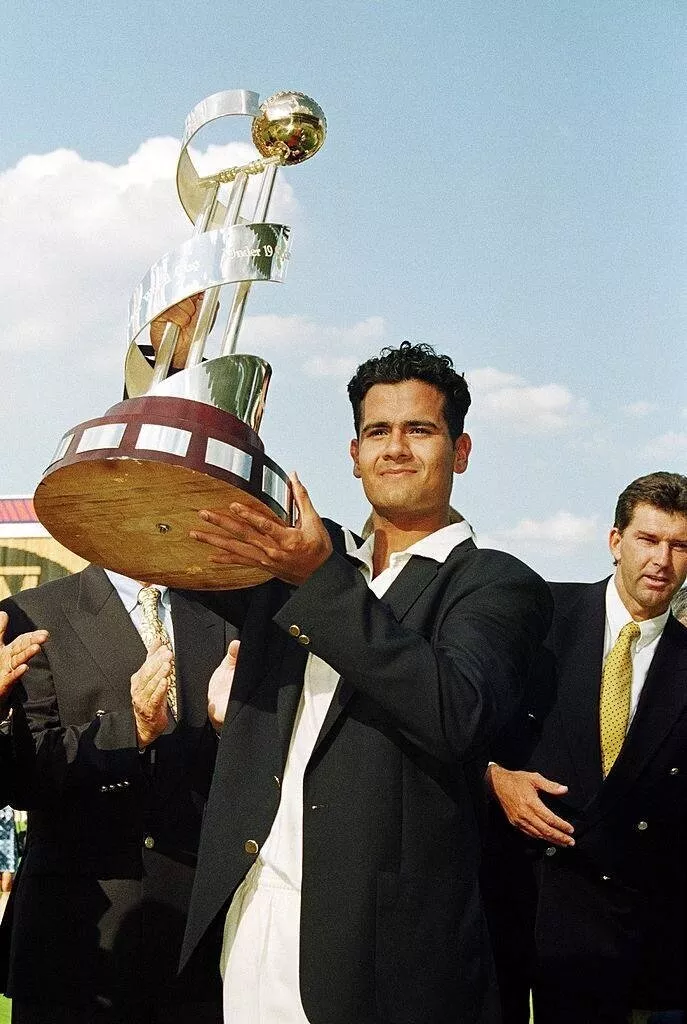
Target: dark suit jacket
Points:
(391, 925)
(104, 885)
(610, 911)
(6, 765)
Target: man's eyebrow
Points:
(405, 423)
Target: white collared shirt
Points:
(129, 590)
(260, 954)
(437, 545)
(643, 648)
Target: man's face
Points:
(404, 454)
(651, 553)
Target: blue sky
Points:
(502, 180)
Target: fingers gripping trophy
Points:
(124, 490)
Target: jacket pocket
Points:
(433, 961)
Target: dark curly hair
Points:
(667, 491)
(413, 362)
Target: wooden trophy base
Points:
(124, 491)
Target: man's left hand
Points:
(243, 536)
(14, 657)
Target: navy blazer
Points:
(611, 909)
(392, 928)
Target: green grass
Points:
(4, 1010)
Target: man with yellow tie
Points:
(585, 874)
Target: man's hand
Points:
(245, 537)
(149, 694)
(185, 316)
(219, 688)
(518, 794)
(15, 656)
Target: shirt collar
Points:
(437, 545)
(129, 590)
(618, 616)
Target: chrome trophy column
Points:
(124, 490)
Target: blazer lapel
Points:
(199, 644)
(662, 701)
(405, 590)
(289, 694)
(578, 647)
(102, 624)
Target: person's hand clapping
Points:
(14, 657)
(149, 694)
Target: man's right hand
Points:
(149, 694)
(219, 687)
(518, 794)
(185, 316)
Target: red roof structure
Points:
(17, 510)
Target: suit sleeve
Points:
(449, 690)
(6, 766)
(49, 759)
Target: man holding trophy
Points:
(341, 839)
(342, 828)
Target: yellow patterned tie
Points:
(152, 629)
(616, 688)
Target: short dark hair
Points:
(667, 491)
(413, 362)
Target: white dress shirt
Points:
(260, 953)
(643, 648)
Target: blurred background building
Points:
(28, 554)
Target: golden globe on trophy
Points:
(124, 490)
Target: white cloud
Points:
(667, 446)
(639, 409)
(561, 530)
(79, 234)
(323, 351)
(528, 409)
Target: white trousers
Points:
(260, 953)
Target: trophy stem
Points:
(266, 189)
(165, 353)
(170, 337)
(242, 290)
(210, 303)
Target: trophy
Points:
(124, 490)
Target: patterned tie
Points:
(616, 687)
(152, 629)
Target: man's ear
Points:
(615, 543)
(461, 453)
(354, 455)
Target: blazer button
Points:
(149, 842)
(550, 851)
(99, 713)
(294, 630)
(303, 639)
(674, 771)
(605, 878)
(251, 847)
(103, 789)
(642, 826)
